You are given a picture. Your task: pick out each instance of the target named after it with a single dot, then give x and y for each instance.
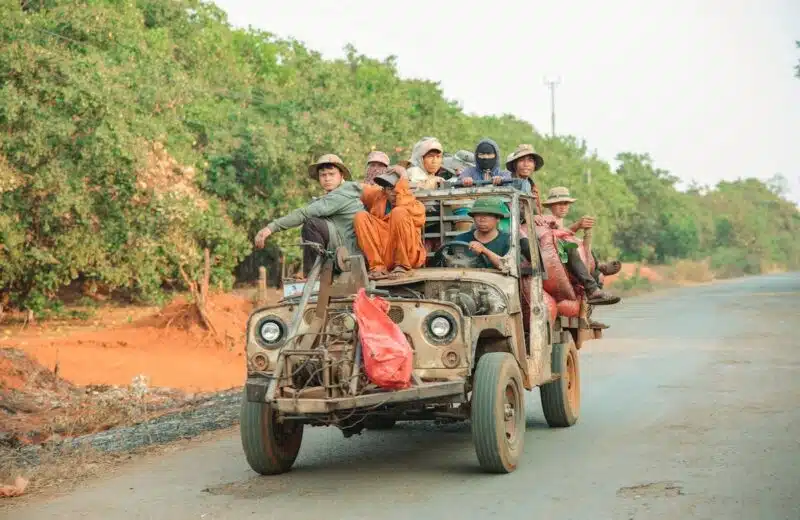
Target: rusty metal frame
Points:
(425, 391)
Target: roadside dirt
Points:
(144, 375)
(124, 365)
(169, 347)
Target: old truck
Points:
(477, 345)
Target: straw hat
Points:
(328, 158)
(378, 157)
(556, 195)
(523, 150)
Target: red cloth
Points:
(561, 286)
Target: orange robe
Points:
(395, 239)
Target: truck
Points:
(480, 339)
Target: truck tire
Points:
(498, 412)
(269, 446)
(561, 399)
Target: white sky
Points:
(706, 87)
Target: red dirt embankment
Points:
(70, 378)
(170, 347)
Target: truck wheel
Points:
(498, 412)
(561, 399)
(269, 446)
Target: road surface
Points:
(690, 410)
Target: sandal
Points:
(399, 272)
(378, 274)
(600, 297)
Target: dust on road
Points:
(689, 411)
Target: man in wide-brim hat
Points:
(522, 163)
(328, 220)
(558, 201)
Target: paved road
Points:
(689, 411)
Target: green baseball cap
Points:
(490, 207)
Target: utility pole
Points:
(552, 83)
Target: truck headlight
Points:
(440, 328)
(270, 331)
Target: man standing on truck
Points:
(328, 220)
(390, 230)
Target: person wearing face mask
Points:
(377, 163)
(389, 232)
(487, 165)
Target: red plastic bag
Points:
(388, 358)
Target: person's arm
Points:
(493, 257)
(501, 176)
(369, 195)
(405, 199)
(582, 223)
(463, 177)
(323, 207)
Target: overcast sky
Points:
(706, 87)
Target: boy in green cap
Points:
(486, 240)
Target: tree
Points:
(136, 135)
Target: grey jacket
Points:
(338, 207)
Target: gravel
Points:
(211, 412)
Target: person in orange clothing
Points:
(389, 232)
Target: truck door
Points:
(534, 305)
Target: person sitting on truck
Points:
(377, 163)
(522, 163)
(486, 240)
(328, 220)
(458, 162)
(426, 171)
(558, 202)
(487, 165)
(390, 230)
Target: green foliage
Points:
(138, 133)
